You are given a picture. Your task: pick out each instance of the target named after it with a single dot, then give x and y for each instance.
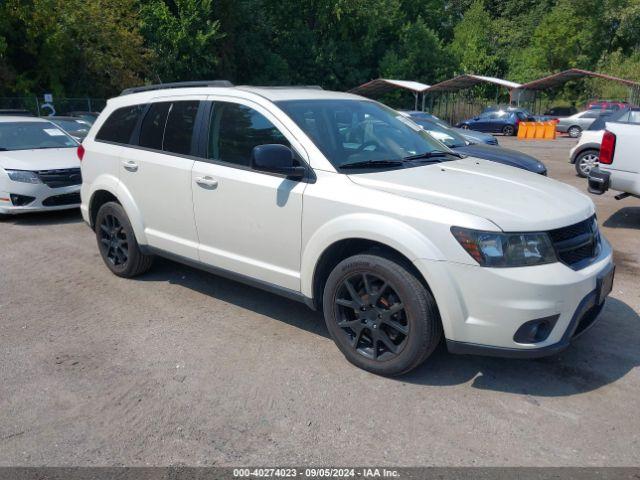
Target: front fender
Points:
(114, 186)
(366, 226)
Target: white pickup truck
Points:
(619, 164)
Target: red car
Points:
(606, 105)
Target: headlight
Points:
(23, 176)
(495, 249)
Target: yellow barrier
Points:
(537, 130)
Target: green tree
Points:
(183, 35)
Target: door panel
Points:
(160, 180)
(247, 221)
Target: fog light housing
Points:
(535, 331)
(21, 200)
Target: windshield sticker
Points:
(54, 132)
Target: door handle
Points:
(207, 182)
(130, 165)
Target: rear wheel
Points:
(586, 161)
(508, 130)
(380, 315)
(574, 131)
(117, 242)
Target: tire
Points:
(464, 126)
(117, 243)
(574, 131)
(586, 161)
(3, 217)
(387, 332)
(508, 130)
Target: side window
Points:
(152, 128)
(634, 116)
(179, 130)
(235, 129)
(120, 124)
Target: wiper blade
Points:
(433, 154)
(373, 164)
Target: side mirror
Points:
(273, 158)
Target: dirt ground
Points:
(183, 367)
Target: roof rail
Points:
(284, 87)
(192, 84)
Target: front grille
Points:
(60, 178)
(578, 244)
(65, 199)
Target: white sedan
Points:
(39, 167)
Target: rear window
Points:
(179, 128)
(152, 128)
(120, 124)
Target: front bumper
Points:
(483, 308)
(44, 197)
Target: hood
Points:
(505, 156)
(475, 136)
(515, 200)
(40, 159)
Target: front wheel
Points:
(575, 131)
(508, 130)
(586, 162)
(380, 315)
(464, 126)
(117, 243)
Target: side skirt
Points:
(238, 277)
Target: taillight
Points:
(80, 152)
(607, 148)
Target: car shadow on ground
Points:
(600, 357)
(57, 217)
(627, 217)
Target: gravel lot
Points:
(182, 367)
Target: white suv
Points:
(348, 206)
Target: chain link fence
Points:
(59, 106)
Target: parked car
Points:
(75, 126)
(88, 116)
(559, 112)
(469, 135)
(498, 121)
(584, 155)
(606, 105)
(400, 240)
(618, 168)
(15, 112)
(39, 169)
(458, 143)
(575, 124)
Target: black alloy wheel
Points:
(372, 316)
(114, 241)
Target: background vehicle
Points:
(74, 126)
(558, 112)
(584, 155)
(458, 143)
(16, 112)
(618, 167)
(396, 233)
(39, 169)
(606, 105)
(88, 116)
(470, 135)
(575, 124)
(498, 121)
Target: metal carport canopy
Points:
(467, 81)
(571, 74)
(384, 85)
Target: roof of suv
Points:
(24, 118)
(273, 94)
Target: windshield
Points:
(33, 135)
(447, 136)
(350, 131)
